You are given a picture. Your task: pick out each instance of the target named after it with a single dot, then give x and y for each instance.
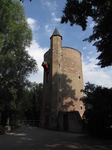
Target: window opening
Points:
(81, 107)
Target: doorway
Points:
(65, 122)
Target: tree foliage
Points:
(78, 11)
(98, 104)
(15, 62)
(32, 101)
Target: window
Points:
(81, 107)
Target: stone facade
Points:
(63, 83)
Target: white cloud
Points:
(38, 54)
(50, 5)
(84, 48)
(48, 29)
(94, 74)
(93, 61)
(91, 52)
(87, 57)
(32, 23)
(52, 24)
(54, 18)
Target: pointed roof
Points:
(56, 33)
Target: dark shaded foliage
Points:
(98, 113)
(78, 11)
(32, 102)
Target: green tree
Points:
(78, 11)
(32, 101)
(98, 104)
(15, 62)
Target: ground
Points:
(32, 138)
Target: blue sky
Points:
(43, 16)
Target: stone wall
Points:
(63, 83)
(71, 67)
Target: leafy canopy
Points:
(98, 104)
(15, 62)
(32, 101)
(78, 11)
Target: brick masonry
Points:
(63, 83)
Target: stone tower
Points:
(63, 82)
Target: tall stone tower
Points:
(63, 82)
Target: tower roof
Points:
(56, 33)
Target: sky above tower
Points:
(43, 16)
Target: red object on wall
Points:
(45, 66)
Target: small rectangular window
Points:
(81, 107)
